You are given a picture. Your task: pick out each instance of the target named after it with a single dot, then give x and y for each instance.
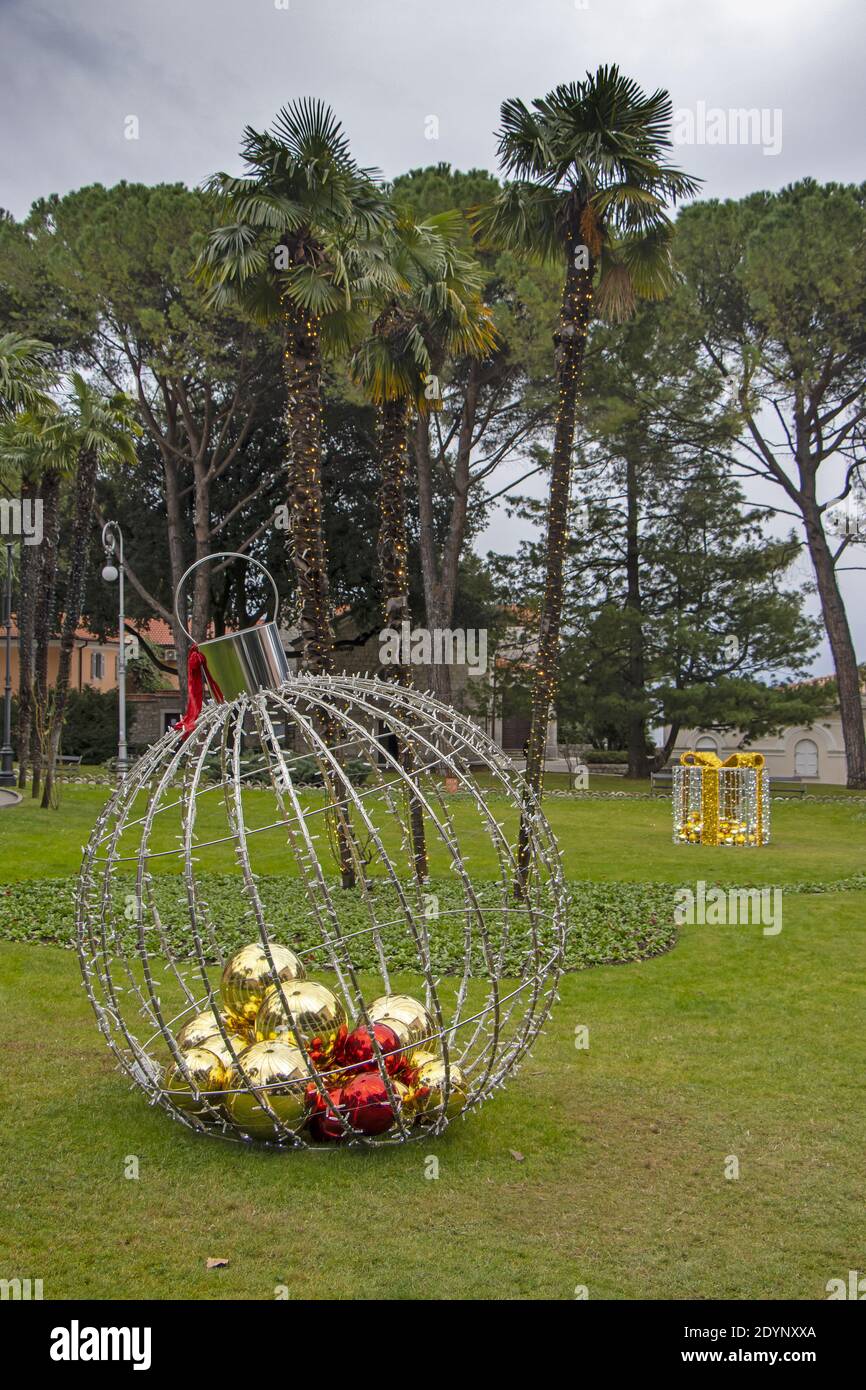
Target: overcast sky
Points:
(193, 72)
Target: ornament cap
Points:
(242, 662)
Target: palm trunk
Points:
(842, 647)
(85, 489)
(393, 552)
(573, 328)
(638, 762)
(28, 579)
(44, 621)
(303, 369)
(304, 469)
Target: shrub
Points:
(90, 726)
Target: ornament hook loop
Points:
(223, 555)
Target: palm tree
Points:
(25, 376)
(93, 431)
(298, 245)
(438, 313)
(591, 183)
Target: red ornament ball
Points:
(324, 1125)
(366, 1104)
(358, 1050)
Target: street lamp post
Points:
(7, 771)
(112, 541)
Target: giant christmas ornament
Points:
(393, 982)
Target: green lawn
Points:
(621, 838)
(732, 1044)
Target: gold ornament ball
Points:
(227, 1052)
(249, 975)
(206, 1073)
(431, 1079)
(279, 1069)
(201, 1026)
(311, 1011)
(408, 1018)
(422, 1056)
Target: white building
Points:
(815, 754)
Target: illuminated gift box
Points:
(721, 803)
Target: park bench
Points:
(779, 786)
(70, 759)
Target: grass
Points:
(602, 1167)
(617, 839)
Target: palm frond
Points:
(601, 141)
(525, 217)
(304, 192)
(25, 375)
(648, 259)
(523, 145)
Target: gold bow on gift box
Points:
(721, 819)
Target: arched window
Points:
(705, 744)
(806, 758)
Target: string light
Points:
(574, 320)
(306, 533)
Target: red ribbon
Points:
(196, 664)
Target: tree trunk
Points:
(28, 579)
(667, 749)
(44, 621)
(201, 603)
(303, 364)
(303, 368)
(571, 342)
(440, 676)
(85, 489)
(393, 553)
(440, 581)
(177, 563)
(841, 645)
(638, 762)
(393, 541)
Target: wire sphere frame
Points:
(118, 953)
